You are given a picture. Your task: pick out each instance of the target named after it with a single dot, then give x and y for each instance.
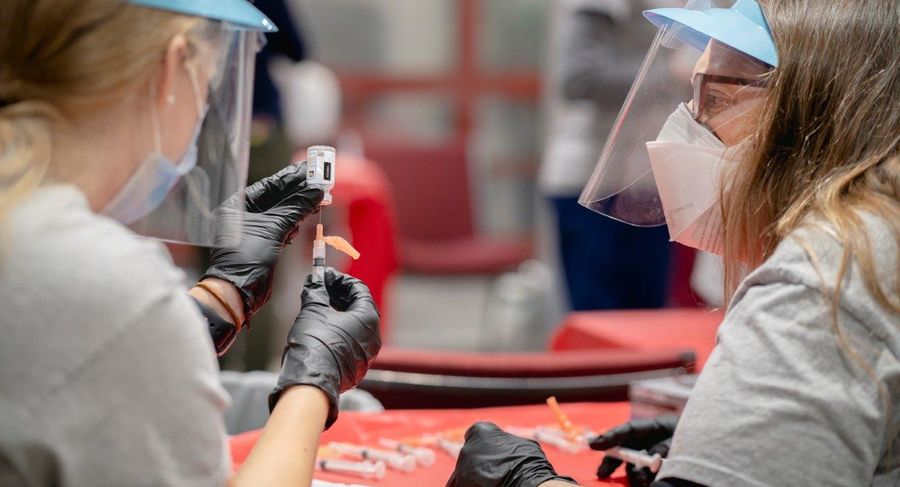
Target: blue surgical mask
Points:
(157, 175)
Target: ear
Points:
(171, 63)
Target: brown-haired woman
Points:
(135, 112)
(783, 156)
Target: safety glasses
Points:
(712, 97)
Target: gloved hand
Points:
(271, 211)
(653, 435)
(492, 457)
(333, 341)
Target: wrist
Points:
(311, 398)
(226, 291)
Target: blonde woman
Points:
(136, 112)
(782, 155)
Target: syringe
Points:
(319, 253)
(395, 460)
(425, 456)
(638, 458)
(319, 250)
(365, 469)
(324, 483)
(549, 438)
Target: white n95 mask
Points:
(689, 164)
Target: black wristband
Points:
(222, 332)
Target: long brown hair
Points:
(828, 144)
(827, 149)
(59, 58)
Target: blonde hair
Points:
(827, 147)
(66, 56)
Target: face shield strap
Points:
(154, 119)
(202, 107)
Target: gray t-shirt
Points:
(778, 402)
(107, 372)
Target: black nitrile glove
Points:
(333, 341)
(492, 457)
(653, 435)
(272, 209)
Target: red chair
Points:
(434, 211)
(425, 379)
(592, 357)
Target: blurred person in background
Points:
(128, 117)
(270, 147)
(782, 155)
(597, 47)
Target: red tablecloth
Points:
(640, 330)
(366, 429)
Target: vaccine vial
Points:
(320, 169)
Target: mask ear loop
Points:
(195, 193)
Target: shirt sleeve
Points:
(150, 406)
(779, 402)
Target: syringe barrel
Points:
(364, 469)
(319, 259)
(395, 460)
(320, 169)
(425, 456)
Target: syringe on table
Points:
(549, 436)
(365, 469)
(635, 457)
(325, 483)
(638, 458)
(425, 456)
(393, 459)
(450, 442)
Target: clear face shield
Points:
(692, 106)
(221, 66)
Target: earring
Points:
(170, 99)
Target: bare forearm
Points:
(556, 483)
(286, 451)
